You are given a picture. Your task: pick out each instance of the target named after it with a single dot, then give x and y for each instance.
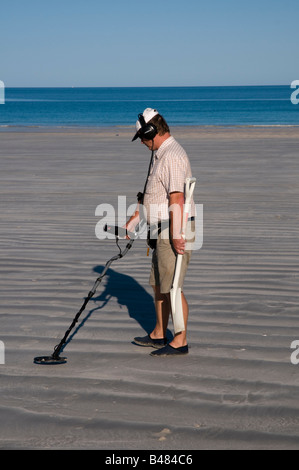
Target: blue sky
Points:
(148, 43)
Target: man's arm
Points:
(133, 220)
(176, 209)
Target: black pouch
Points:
(152, 242)
(140, 197)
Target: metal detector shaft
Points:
(121, 254)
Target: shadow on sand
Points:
(129, 293)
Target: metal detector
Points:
(55, 358)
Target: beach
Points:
(237, 387)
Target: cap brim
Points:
(136, 136)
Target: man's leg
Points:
(178, 345)
(180, 339)
(162, 305)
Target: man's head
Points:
(151, 128)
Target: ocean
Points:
(181, 106)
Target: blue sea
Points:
(181, 106)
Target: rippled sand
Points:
(237, 389)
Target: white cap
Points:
(148, 114)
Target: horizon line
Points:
(150, 86)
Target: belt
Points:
(163, 224)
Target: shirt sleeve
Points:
(174, 175)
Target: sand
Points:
(237, 388)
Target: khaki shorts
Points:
(164, 259)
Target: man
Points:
(162, 203)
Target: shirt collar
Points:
(162, 147)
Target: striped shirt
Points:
(168, 174)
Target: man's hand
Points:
(179, 245)
(132, 222)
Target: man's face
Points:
(150, 144)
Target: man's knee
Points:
(158, 294)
